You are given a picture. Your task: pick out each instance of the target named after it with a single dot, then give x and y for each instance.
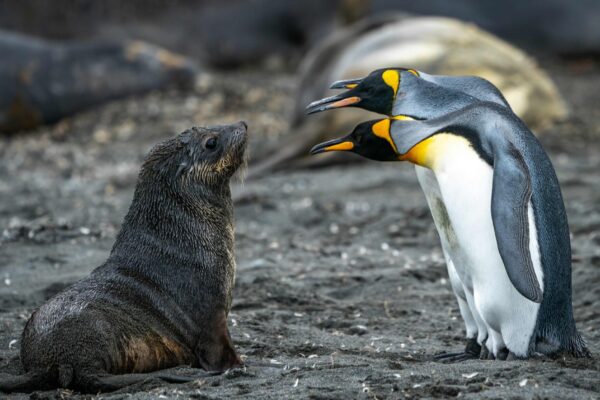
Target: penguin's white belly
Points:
(465, 184)
(461, 283)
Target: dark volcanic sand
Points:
(341, 284)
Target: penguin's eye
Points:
(211, 143)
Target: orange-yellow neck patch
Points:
(382, 129)
(391, 77)
(420, 153)
(430, 151)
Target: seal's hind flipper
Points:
(22, 383)
(109, 383)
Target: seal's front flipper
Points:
(215, 350)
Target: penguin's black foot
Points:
(502, 354)
(484, 353)
(471, 352)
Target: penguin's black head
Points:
(369, 139)
(377, 92)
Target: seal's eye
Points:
(211, 143)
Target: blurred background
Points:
(338, 260)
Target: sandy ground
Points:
(341, 283)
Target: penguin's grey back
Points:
(555, 329)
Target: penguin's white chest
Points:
(459, 192)
(465, 183)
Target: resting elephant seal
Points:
(42, 82)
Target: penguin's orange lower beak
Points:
(328, 103)
(341, 144)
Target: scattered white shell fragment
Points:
(233, 322)
(297, 314)
(334, 228)
(471, 375)
(397, 376)
(12, 343)
(296, 383)
(385, 246)
(523, 383)
(417, 385)
(84, 230)
(274, 361)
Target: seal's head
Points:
(208, 156)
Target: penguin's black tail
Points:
(23, 383)
(572, 344)
(577, 347)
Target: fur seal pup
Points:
(163, 296)
(42, 82)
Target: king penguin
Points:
(425, 97)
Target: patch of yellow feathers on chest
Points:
(431, 151)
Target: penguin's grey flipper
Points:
(511, 194)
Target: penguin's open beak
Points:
(337, 101)
(340, 144)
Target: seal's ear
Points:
(215, 351)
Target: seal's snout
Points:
(237, 133)
(239, 129)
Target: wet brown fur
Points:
(163, 296)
